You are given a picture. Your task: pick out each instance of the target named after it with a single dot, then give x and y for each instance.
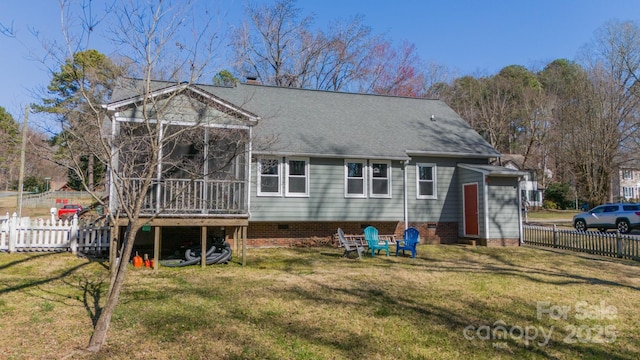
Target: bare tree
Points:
(7, 30)
(275, 45)
(392, 71)
(278, 47)
(156, 40)
(612, 62)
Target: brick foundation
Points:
(270, 234)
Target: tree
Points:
(84, 81)
(158, 41)
(391, 71)
(560, 194)
(224, 78)
(278, 47)
(9, 140)
(608, 131)
(567, 90)
(32, 184)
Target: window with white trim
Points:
(297, 178)
(627, 174)
(269, 177)
(426, 181)
(354, 173)
(628, 192)
(380, 179)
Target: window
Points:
(269, 177)
(426, 181)
(354, 178)
(380, 179)
(627, 174)
(628, 192)
(297, 177)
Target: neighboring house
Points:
(626, 184)
(321, 160)
(530, 190)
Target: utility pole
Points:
(22, 151)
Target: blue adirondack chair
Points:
(374, 243)
(410, 241)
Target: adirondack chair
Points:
(349, 247)
(374, 243)
(409, 242)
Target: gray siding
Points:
(445, 207)
(503, 208)
(326, 201)
(182, 108)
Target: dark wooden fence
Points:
(592, 242)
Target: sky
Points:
(468, 37)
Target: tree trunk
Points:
(104, 320)
(90, 166)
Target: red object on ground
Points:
(137, 261)
(68, 210)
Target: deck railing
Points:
(191, 197)
(593, 242)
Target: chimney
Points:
(252, 80)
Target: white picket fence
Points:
(25, 234)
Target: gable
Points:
(179, 104)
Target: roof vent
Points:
(433, 117)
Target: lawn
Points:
(551, 214)
(451, 302)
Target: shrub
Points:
(560, 194)
(549, 205)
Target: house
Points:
(531, 191)
(625, 184)
(319, 160)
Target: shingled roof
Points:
(325, 123)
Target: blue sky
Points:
(477, 37)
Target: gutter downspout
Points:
(485, 206)
(249, 160)
(405, 163)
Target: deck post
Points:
(236, 248)
(156, 246)
(203, 240)
(244, 245)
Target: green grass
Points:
(551, 214)
(309, 303)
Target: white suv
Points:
(620, 216)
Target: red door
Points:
(471, 209)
